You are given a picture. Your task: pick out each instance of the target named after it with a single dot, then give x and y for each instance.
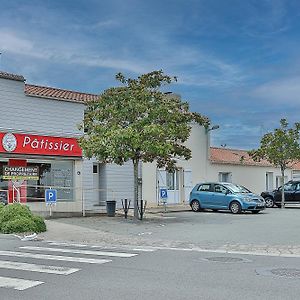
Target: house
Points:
(232, 165)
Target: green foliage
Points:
(39, 224)
(138, 122)
(281, 147)
(17, 225)
(16, 218)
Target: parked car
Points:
(225, 196)
(291, 194)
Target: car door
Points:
(289, 193)
(220, 197)
(204, 194)
(297, 193)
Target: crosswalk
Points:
(74, 253)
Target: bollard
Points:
(125, 206)
(141, 208)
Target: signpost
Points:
(164, 197)
(50, 198)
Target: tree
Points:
(138, 122)
(281, 148)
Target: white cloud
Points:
(280, 91)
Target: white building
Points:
(39, 128)
(231, 165)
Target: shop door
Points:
(171, 182)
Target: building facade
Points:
(38, 138)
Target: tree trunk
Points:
(282, 190)
(136, 191)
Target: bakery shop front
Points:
(29, 164)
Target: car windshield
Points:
(235, 188)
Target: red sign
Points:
(39, 145)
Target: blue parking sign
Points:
(163, 193)
(50, 196)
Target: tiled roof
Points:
(296, 166)
(58, 94)
(240, 157)
(11, 76)
(236, 157)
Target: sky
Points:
(237, 62)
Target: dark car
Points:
(291, 194)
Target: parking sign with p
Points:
(50, 196)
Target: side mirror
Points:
(227, 192)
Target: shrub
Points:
(16, 218)
(13, 211)
(39, 224)
(21, 224)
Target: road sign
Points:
(50, 196)
(163, 193)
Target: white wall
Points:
(37, 115)
(197, 142)
(252, 177)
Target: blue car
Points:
(225, 196)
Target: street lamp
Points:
(212, 128)
(207, 130)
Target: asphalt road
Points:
(181, 255)
(272, 228)
(158, 274)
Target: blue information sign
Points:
(163, 193)
(50, 196)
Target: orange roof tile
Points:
(240, 157)
(58, 94)
(236, 157)
(11, 76)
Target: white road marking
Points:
(98, 246)
(85, 252)
(37, 268)
(55, 257)
(17, 283)
(255, 253)
(144, 249)
(67, 244)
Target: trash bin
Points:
(111, 208)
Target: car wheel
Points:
(195, 205)
(235, 207)
(269, 202)
(255, 211)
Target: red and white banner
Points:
(39, 145)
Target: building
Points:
(231, 165)
(38, 139)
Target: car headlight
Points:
(247, 199)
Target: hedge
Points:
(17, 218)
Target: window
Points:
(204, 187)
(225, 176)
(172, 180)
(95, 169)
(220, 189)
(279, 181)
